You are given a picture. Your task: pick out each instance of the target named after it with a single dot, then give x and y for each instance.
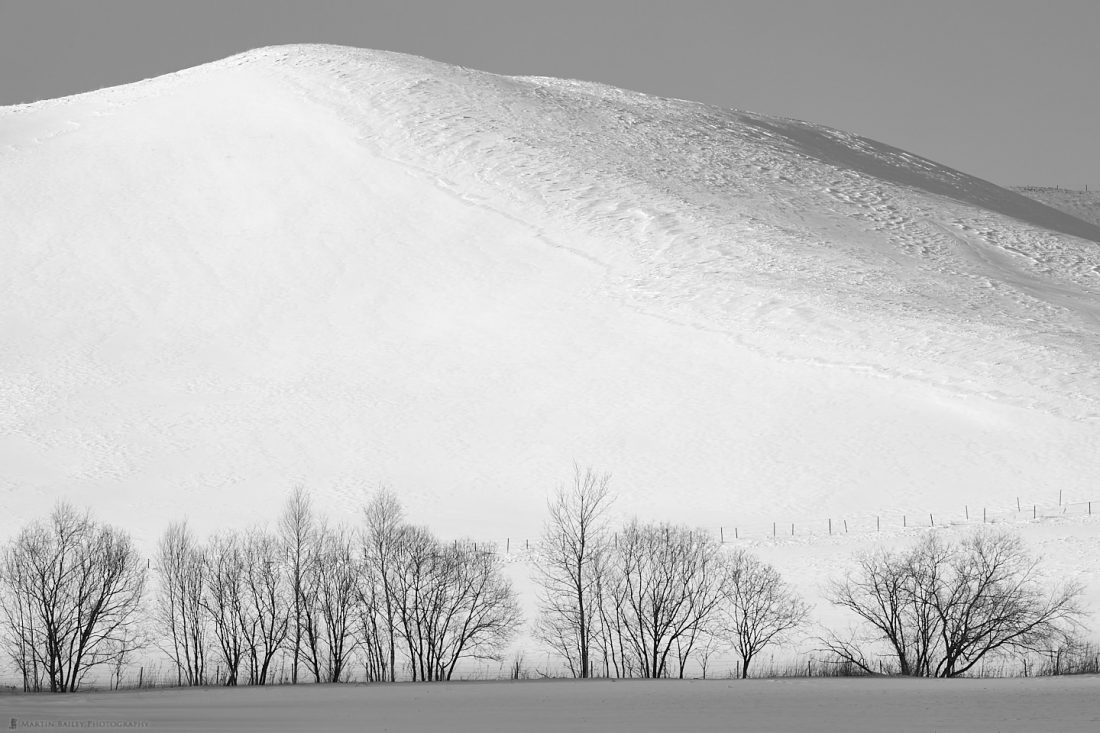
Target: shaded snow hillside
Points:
(339, 267)
(1085, 205)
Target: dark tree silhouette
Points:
(70, 595)
(758, 608)
(574, 541)
(178, 612)
(941, 608)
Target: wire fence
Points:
(1019, 512)
(894, 520)
(512, 549)
(1039, 189)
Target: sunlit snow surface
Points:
(337, 267)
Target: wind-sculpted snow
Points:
(744, 216)
(341, 267)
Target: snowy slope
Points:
(341, 267)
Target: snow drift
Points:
(338, 267)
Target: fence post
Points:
(1090, 508)
(1034, 510)
(1018, 504)
(792, 529)
(508, 544)
(773, 529)
(904, 522)
(830, 525)
(722, 535)
(967, 510)
(845, 526)
(878, 524)
(735, 536)
(983, 515)
(1059, 497)
(931, 521)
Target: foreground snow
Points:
(1066, 704)
(342, 268)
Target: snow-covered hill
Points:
(338, 267)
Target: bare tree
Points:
(665, 586)
(613, 643)
(452, 602)
(378, 619)
(330, 592)
(21, 636)
(710, 645)
(266, 597)
(71, 591)
(374, 631)
(178, 612)
(297, 529)
(759, 608)
(224, 601)
(121, 652)
(881, 592)
(410, 590)
(941, 608)
(479, 614)
(573, 541)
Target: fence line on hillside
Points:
(1070, 189)
(863, 523)
(511, 548)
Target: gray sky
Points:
(1005, 89)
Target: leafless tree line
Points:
(644, 599)
(309, 599)
(322, 598)
(315, 600)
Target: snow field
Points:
(343, 268)
(842, 705)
